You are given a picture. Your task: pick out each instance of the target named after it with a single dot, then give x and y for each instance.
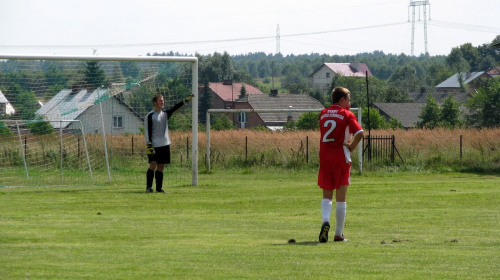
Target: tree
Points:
(243, 91)
(405, 78)
(130, 69)
(4, 130)
(41, 127)
(222, 122)
(294, 82)
(94, 75)
(457, 62)
(450, 112)
(264, 68)
(205, 102)
(484, 105)
(471, 55)
(117, 76)
(227, 67)
(27, 105)
(308, 121)
(395, 123)
(376, 120)
(55, 76)
(430, 114)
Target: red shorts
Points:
(332, 178)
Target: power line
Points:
(206, 41)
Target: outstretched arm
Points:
(178, 105)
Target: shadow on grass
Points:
(303, 243)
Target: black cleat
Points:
(148, 190)
(161, 191)
(323, 234)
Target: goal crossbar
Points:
(209, 111)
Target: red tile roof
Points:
(232, 92)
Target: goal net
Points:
(79, 120)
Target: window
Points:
(242, 117)
(117, 122)
(328, 74)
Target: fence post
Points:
(307, 149)
(393, 146)
(246, 148)
(461, 154)
(132, 144)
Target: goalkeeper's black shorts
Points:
(161, 156)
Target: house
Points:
(225, 94)
(5, 106)
(452, 84)
(272, 101)
(495, 72)
(80, 105)
(321, 78)
(407, 113)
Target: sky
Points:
(333, 27)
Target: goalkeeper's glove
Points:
(188, 98)
(149, 149)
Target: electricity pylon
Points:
(412, 5)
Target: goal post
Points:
(109, 95)
(227, 111)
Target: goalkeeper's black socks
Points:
(149, 179)
(159, 180)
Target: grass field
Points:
(237, 223)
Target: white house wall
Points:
(91, 119)
(320, 81)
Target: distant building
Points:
(225, 94)
(272, 101)
(407, 113)
(5, 106)
(81, 104)
(452, 84)
(322, 77)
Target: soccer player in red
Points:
(337, 123)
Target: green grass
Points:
(236, 225)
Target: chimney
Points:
(75, 88)
(356, 66)
(227, 82)
(274, 93)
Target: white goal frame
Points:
(360, 148)
(194, 86)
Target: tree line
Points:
(394, 78)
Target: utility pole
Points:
(412, 5)
(278, 39)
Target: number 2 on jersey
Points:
(332, 125)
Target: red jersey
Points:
(336, 125)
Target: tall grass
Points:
(422, 149)
(440, 150)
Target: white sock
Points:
(326, 209)
(340, 212)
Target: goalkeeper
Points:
(158, 141)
